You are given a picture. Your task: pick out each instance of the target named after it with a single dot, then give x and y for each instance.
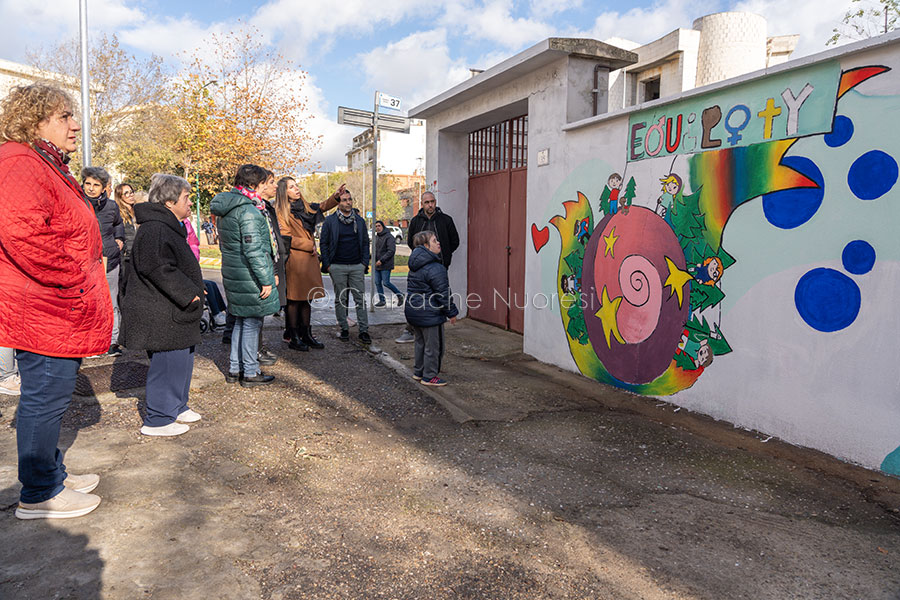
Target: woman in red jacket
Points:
(54, 302)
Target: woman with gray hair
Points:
(162, 306)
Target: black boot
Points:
(296, 343)
(308, 339)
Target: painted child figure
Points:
(698, 350)
(709, 272)
(609, 200)
(671, 187)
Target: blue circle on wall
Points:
(841, 132)
(872, 175)
(858, 257)
(791, 208)
(827, 299)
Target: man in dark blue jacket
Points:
(344, 249)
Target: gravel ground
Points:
(345, 481)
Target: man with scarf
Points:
(94, 182)
(344, 248)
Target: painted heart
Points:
(539, 237)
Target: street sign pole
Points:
(374, 197)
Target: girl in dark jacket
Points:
(428, 305)
(162, 306)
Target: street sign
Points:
(368, 214)
(354, 116)
(386, 101)
(393, 123)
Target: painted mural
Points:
(643, 268)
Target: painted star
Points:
(676, 280)
(607, 314)
(610, 242)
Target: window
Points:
(499, 147)
(651, 89)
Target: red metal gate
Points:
(497, 236)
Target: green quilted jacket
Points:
(246, 255)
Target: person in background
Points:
(428, 305)
(162, 306)
(208, 230)
(10, 384)
(124, 195)
(344, 243)
(267, 192)
(52, 279)
(94, 181)
(297, 219)
(249, 254)
(431, 218)
(385, 248)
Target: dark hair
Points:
(381, 223)
(250, 176)
(423, 238)
(98, 173)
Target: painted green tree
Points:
(630, 191)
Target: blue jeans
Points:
(47, 386)
(245, 346)
(383, 280)
(168, 385)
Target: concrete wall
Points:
(760, 286)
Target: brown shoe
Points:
(82, 483)
(65, 505)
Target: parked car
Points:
(396, 232)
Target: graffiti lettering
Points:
(768, 115)
(658, 129)
(793, 106)
(735, 130)
(635, 140)
(709, 119)
(672, 147)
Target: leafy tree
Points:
(243, 104)
(124, 90)
(865, 19)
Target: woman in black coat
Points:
(162, 306)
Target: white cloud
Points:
(493, 21)
(547, 8)
(644, 25)
(814, 21)
(335, 138)
(414, 68)
(171, 38)
(314, 27)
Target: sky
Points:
(411, 49)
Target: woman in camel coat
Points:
(298, 219)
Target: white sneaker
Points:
(188, 416)
(165, 430)
(219, 319)
(65, 505)
(82, 483)
(11, 386)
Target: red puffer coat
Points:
(54, 299)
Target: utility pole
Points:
(85, 89)
(374, 199)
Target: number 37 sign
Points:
(386, 101)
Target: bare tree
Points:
(865, 19)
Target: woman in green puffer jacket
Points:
(249, 253)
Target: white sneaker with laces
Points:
(11, 386)
(165, 430)
(188, 416)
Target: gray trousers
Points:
(7, 363)
(429, 351)
(349, 279)
(112, 278)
